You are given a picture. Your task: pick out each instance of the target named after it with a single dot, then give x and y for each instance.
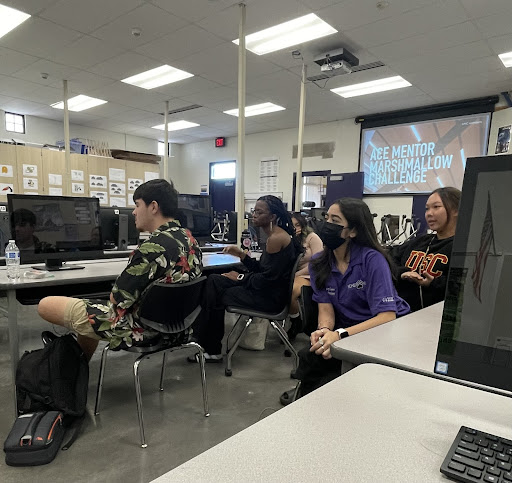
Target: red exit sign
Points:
(220, 142)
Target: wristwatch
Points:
(342, 333)
(240, 276)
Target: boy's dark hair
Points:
(161, 191)
(23, 216)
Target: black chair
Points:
(170, 309)
(276, 320)
(308, 309)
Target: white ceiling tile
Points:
(124, 65)
(16, 87)
(260, 14)
(87, 16)
(29, 6)
(83, 82)
(45, 95)
(479, 8)
(152, 21)
(132, 115)
(433, 60)
(38, 37)
(110, 109)
(128, 95)
(495, 25)
(319, 4)
(213, 95)
(192, 10)
(22, 106)
(501, 44)
(436, 41)
(159, 107)
(350, 14)
(12, 61)
(187, 87)
(84, 52)
(180, 43)
(55, 71)
(409, 24)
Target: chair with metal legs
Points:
(170, 309)
(276, 321)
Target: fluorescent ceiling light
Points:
(176, 125)
(293, 32)
(506, 58)
(10, 18)
(160, 76)
(381, 85)
(257, 109)
(80, 103)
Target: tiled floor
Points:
(108, 449)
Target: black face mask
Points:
(330, 234)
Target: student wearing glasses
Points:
(423, 262)
(353, 286)
(265, 287)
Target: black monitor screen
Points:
(195, 214)
(475, 341)
(109, 218)
(55, 228)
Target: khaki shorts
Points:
(77, 320)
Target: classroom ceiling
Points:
(447, 50)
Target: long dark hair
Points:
(283, 219)
(305, 230)
(359, 217)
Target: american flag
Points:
(486, 239)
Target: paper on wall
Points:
(30, 183)
(6, 170)
(55, 191)
(97, 181)
(77, 188)
(77, 175)
(6, 188)
(149, 175)
(115, 174)
(29, 193)
(134, 183)
(101, 195)
(116, 201)
(55, 179)
(29, 170)
(117, 189)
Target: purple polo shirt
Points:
(365, 290)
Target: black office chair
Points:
(170, 309)
(276, 320)
(308, 309)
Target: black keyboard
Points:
(477, 456)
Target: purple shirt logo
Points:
(359, 284)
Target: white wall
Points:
(46, 131)
(189, 169)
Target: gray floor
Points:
(176, 430)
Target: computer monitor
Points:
(53, 229)
(475, 340)
(118, 228)
(5, 228)
(196, 214)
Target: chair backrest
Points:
(308, 309)
(172, 307)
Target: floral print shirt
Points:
(172, 255)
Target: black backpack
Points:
(54, 378)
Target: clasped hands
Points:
(321, 341)
(236, 252)
(424, 279)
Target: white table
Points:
(408, 343)
(373, 424)
(95, 272)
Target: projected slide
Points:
(423, 156)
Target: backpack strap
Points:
(72, 432)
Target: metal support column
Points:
(302, 115)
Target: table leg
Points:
(14, 346)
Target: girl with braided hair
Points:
(266, 285)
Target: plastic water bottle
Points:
(12, 260)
